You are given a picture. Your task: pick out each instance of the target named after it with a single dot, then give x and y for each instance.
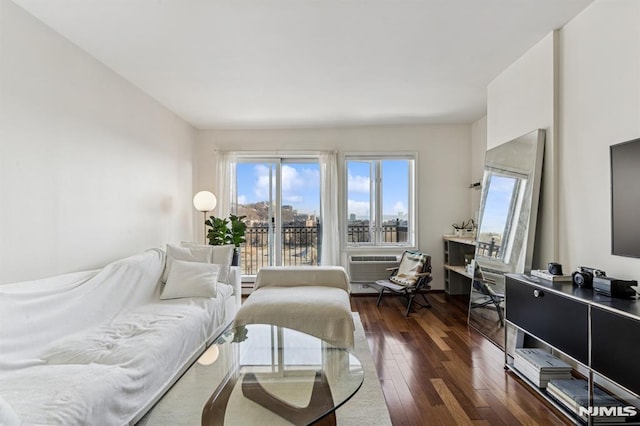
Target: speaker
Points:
(614, 287)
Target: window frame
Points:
(376, 195)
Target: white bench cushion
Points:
(296, 276)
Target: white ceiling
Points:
(291, 63)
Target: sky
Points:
(301, 186)
(496, 208)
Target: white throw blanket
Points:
(98, 347)
(32, 314)
(314, 300)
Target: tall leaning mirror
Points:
(506, 227)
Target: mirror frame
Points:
(520, 158)
(510, 159)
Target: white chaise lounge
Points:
(314, 300)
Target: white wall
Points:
(522, 99)
(478, 150)
(582, 84)
(599, 107)
(443, 167)
(91, 169)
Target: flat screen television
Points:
(625, 198)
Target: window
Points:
(380, 200)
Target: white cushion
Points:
(187, 254)
(191, 279)
(221, 255)
(297, 276)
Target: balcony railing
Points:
(301, 244)
(391, 233)
(299, 247)
(490, 249)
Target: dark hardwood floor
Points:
(434, 369)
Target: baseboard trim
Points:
(390, 294)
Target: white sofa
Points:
(101, 347)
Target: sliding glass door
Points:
(280, 198)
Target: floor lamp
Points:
(204, 201)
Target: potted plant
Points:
(227, 231)
(466, 229)
(218, 232)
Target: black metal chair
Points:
(488, 297)
(409, 279)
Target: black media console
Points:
(600, 334)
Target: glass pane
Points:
(261, 351)
(498, 210)
(359, 209)
(300, 349)
(300, 210)
(395, 201)
(256, 193)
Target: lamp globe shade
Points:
(204, 201)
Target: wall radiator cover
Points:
(368, 269)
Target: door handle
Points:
(538, 293)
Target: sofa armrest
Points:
(235, 281)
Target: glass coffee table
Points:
(262, 375)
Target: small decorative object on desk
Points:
(466, 229)
(545, 275)
(554, 268)
(470, 268)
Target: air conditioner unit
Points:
(368, 269)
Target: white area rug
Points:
(183, 403)
(367, 406)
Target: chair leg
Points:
(380, 296)
(410, 297)
(426, 301)
(409, 303)
(500, 312)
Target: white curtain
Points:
(329, 190)
(225, 183)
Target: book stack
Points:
(574, 394)
(540, 366)
(545, 275)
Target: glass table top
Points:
(262, 374)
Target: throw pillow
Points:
(191, 279)
(411, 264)
(184, 253)
(221, 255)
